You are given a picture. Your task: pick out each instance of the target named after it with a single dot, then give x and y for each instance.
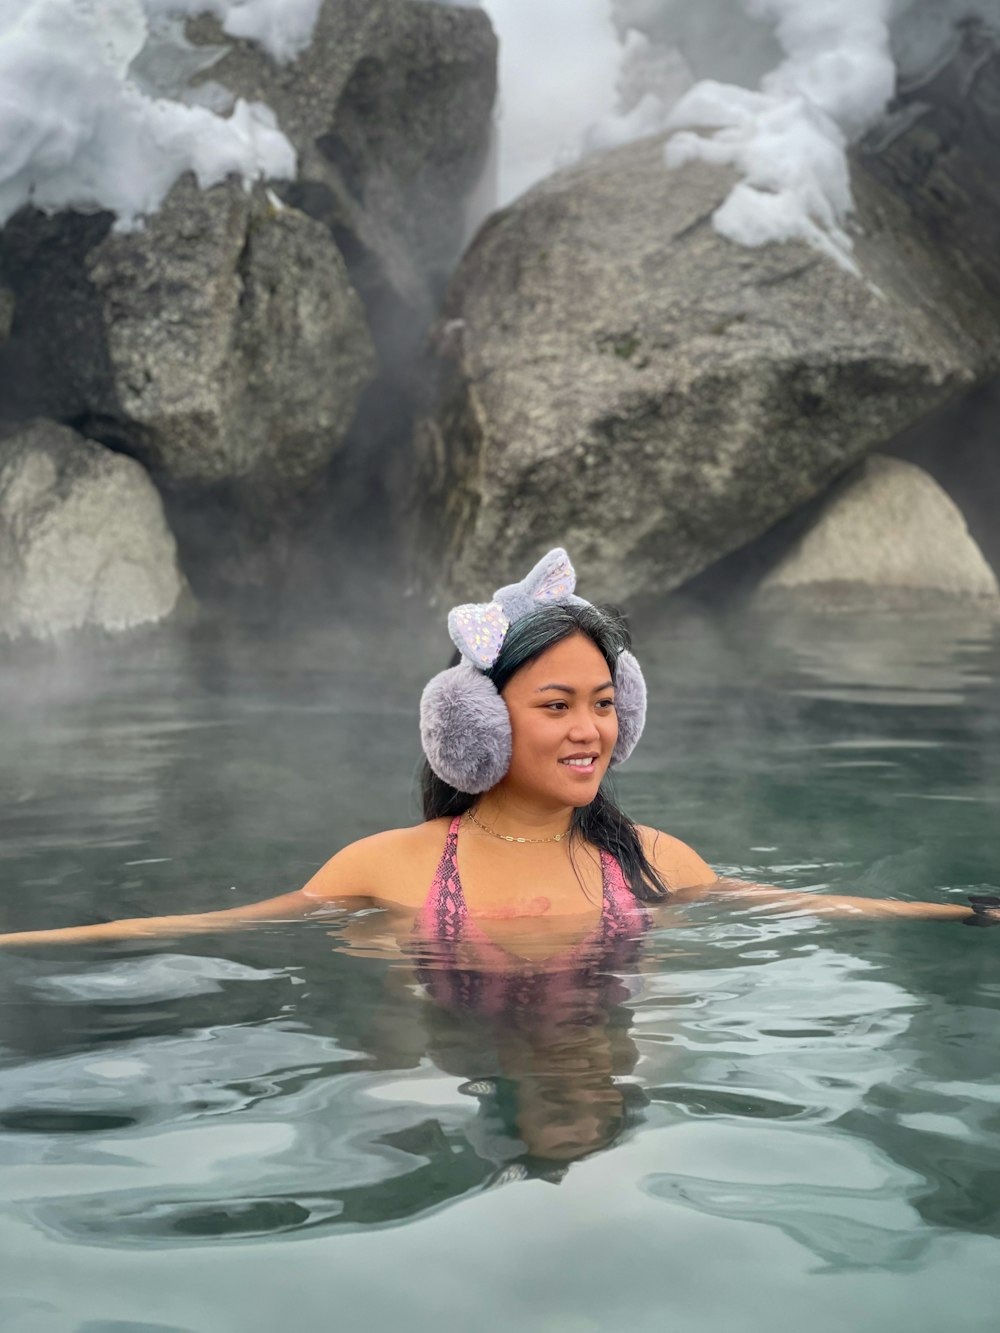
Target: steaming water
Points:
(795, 1123)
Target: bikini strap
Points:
(620, 905)
(451, 842)
(444, 906)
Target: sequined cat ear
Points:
(477, 630)
(552, 580)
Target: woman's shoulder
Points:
(678, 865)
(396, 865)
(410, 838)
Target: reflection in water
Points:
(537, 1089)
(541, 1047)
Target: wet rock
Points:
(223, 343)
(935, 151)
(957, 446)
(886, 533)
(390, 112)
(615, 377)
(935, 154)
(83, 540)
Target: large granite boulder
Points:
(83, 540)
(222, 343)
(886, 533)
(616, 377)
(390, 112)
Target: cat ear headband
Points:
(464, 723)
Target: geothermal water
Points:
(763, 1123)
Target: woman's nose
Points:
(583, 728)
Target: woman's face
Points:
(563, 724)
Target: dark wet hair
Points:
(600, 823)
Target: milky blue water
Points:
(762, 1123)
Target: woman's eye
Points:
(560, 705)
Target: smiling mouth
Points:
(583, 762)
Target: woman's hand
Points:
(985, 910)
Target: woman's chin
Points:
(580, 791)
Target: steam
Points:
(777, 89)
(559, 62)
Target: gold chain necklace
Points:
(507, 837)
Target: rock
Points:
(226, 345)
(390, 112)
(6, 313)
(615, 377)
(935, 152)
(957, 446)
(886, 532)
(223, 343)
(83, 540)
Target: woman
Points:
(522, 857)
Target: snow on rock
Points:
(788, 139)
(77, 132)
(781, 88)
(284, 28)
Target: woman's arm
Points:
(345, 879)
(689, 879)
(790, 901)
(286, 906)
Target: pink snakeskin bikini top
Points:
(486, 976)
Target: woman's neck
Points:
(516, 815)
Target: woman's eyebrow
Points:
(568, 689)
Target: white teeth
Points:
(578, 763)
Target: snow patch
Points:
(77, 131)
(284, 28)
(788, 139)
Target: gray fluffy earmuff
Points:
(465, 726)
(630, 705)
